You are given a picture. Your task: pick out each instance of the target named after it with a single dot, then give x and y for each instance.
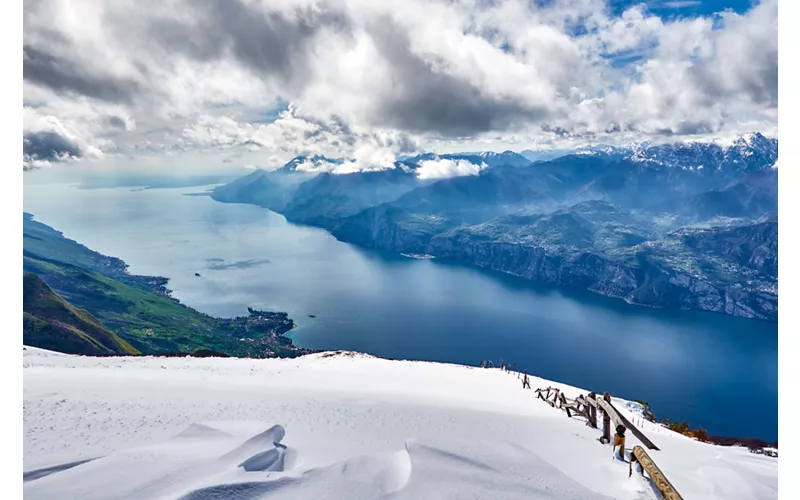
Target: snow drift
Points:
(334, 425)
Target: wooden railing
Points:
(587, 406)
(611, 413)
(658, 478)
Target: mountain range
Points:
(687, 226)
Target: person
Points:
(526, 384)
(619, 440)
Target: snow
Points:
(335, 425)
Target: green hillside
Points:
(153, 323)
(41, 241)
(138, 308)
(50, 322)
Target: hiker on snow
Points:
(619, 440)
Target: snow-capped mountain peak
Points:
(749, 153)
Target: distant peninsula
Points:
(98, 300)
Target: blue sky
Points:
(684, 8)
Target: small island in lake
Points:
(418, 255)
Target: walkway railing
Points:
(587, 406)
(658, 478)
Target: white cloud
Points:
(443, 168)
(367, 80)
(292, 135)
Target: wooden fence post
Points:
(607, 420)
(593, 411)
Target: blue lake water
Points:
(688, 366)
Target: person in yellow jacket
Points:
(619, 440)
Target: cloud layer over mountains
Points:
(372, 80)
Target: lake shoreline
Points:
(69, 266)
(737, 310)
(427, 309)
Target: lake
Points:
(688, 365)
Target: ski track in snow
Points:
(344, 426)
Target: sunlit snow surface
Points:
(335, 426)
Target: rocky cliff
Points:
(638, 281)
(601, 248)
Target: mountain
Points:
(577, 220)
(536, 155)
(747, 154)
(754, 246)
(644, 176)
(600, 247)
(606, 249)
(273, 189)
(258, 188)
(504, 189)
(327, 198)
(592, 224)
(636, 185)
(50, 322)
(695, 180)
(310, 162)
(388, 227)
(541, 155)
(751, 196)
(139, 309)
(341, 426)
(318, 198)
(505, 158)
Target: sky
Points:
(171, 84)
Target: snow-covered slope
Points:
(339, 426)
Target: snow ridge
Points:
(337, 426)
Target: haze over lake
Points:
(688, 366)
